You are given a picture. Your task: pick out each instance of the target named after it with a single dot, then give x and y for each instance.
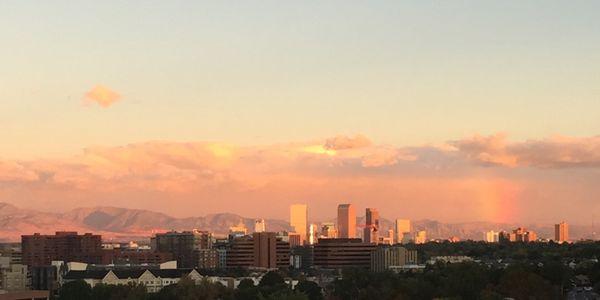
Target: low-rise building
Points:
(342, 253)
(386, 258)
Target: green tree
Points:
(75, 290)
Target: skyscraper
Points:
(371, 231)
(561, 232)
(402, 228)
(259, 225)
(346, 221)
(299, 220)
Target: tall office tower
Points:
(371, 231)
(299, 220)
(561, 232)
(346, 221)
(402, 229)
(259, 225)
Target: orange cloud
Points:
(102, 95)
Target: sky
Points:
(448, 110)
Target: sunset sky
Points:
(447, 110)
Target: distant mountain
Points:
(115, 223)
(130, 224)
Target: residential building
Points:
(346, 218)
(389, 257)
(299, 220)
(41, 250)
(342, 253)
(207, 258)
(153, 279)
(561, 232)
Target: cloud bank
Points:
(476, 178)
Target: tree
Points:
(75, 290)
(311, 289)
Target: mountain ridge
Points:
(117, 223)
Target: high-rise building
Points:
(346, 219)
(259, 225)
(421, 237)
(299, 220)
(402, 229)
(491, 236)
(41, 250)
(561, 232)
(371, 230)
(183, 245)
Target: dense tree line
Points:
(271, 287)
(510, 251)
(452, 281)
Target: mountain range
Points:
(123, 224)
